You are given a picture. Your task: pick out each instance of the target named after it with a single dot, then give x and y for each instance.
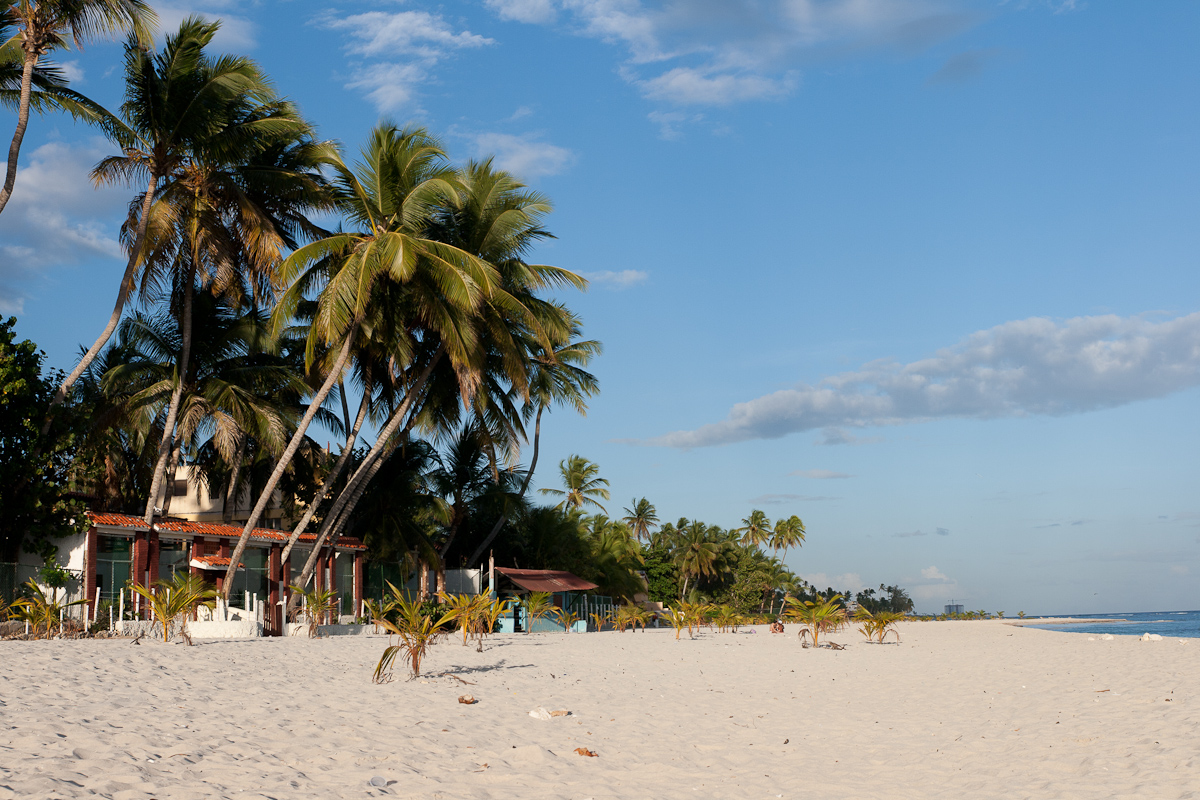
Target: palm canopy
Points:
(48, 82)
(46, 25)
(756, 529)
(641, 518)
(582, 482)
(788, 533)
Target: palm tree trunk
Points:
(330, 479)
(232, 491)
(335, 374)
(172, 470)
(14, 150)
(118, 307)
(537, 433)
(344, 506)
(185, 352)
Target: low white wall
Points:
(301, 629)
(234, 629)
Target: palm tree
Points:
(432, 289)
(176, 101)
(558, 376)
(48, 90)
(583, 484)
(641, 518)
(696, 553)
(788, 533)
(756, 529)
(47, 25)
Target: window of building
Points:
(181, 487)
(112, 565)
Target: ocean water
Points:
(1164, 623)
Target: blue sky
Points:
(923, 272)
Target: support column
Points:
(89, 569)
(331, 562)
(197, 552)
(138, 558)
(274, 617)
(223, 552)
(359, 581)
(152, 549)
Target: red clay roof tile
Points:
(176, 525)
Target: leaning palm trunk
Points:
(185, 352)
(335, 374)
(537, 433)
(331, 479)
(122, 297)
(14, 150)
(344, 506)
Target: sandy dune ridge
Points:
(957, 710)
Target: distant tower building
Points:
(954, 608)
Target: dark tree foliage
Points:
(886, 598)
(35, 507)
(661, 574)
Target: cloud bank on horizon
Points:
(1027, 367)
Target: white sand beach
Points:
(957, 710)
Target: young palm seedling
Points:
(318, 605)
(537, 605)
(43, 614)
(172, 602)
(417, 630)
(817, 618)
(566, 618)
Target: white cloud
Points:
(73, 72)
(669, 122)
(524, 156)
(56, 218)
(934, 585)
(532, 11)
(835, 436)
(780, 499)
(409, 45)
(847, 581)
(235, 34)
(691, 86)
(1027, 367)
(378, 33)
(389, 86)
(820, 474)
(718, 52)
(617, 280)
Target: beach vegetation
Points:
(536, 605)
(816, 618)
(173, 602)
(416, 628)
(876, 626)
(566, 617)
(43, 614)
(318, 606)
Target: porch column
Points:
(319, 572)
(197, 552)
(89, 570)
(138, 558)
(359, 581)
(223, 552)
(152, 547)
(274, 571)
(331, 562)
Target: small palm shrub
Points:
(537, 605)
(462, 610)
(318, 605)
(42, 613)
(599, 620)
(172, 602)
(726, 618)
(566, 618)
(488, 616)
(678, 620)
(877, 626)
(417, 630)
(817, 618)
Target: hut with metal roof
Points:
(567, 591)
